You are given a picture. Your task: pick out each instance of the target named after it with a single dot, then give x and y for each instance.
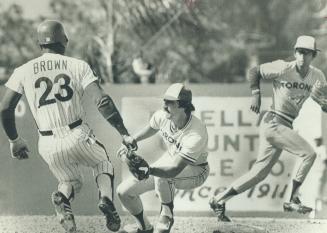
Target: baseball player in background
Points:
(54, 85)
(184, 165)
(293, 83)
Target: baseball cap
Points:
(177, 91)
(306, 42)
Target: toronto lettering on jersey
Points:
(42, 66)
(296, 85)
(170, 139)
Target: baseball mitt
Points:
(137, 166)
(319, 95)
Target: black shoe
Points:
(295, 205)
(64, 211)
(219, 210)
(109, 211)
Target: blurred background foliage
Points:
(198, 41)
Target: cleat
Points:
(132, 228)
(164, 224)
(295, 205)
(64, 212)
(219, 210)
(109, 211)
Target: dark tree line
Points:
(204, 41)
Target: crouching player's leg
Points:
(191, 177)
(129, 192)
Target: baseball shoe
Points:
(109, 211)
(64, 211)
(295, 205)
(164, 224)
(133, 228)
(219, 210)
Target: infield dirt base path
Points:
(96, 224)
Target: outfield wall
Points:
(25, 186)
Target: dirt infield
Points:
(95, 224)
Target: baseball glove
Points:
(319, 95)
(137, 166)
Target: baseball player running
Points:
(293, 83)
(183, 166)
(54, 85)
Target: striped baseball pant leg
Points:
(276, 136)
(65, 154)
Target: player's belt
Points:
(281, 116)
(70, 126)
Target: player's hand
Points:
(139, 168)
(256, 103)
(130, 142)
(122, 152)
(18, 148)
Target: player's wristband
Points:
(150, 171)
(255, 92)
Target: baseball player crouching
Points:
(293, 83)
(54, 85)
(183, 166)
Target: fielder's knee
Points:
(124, 191)
(162, 183)
(160, 180)
(121, 191)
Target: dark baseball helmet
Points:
(50, 32)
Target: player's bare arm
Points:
(254, 78)
(169, 171)
(109, 111)
(18, 147)
(145, 133)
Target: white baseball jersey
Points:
(290, 90)
(53, 85)
(189, 142)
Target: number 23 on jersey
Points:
(64, 92)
